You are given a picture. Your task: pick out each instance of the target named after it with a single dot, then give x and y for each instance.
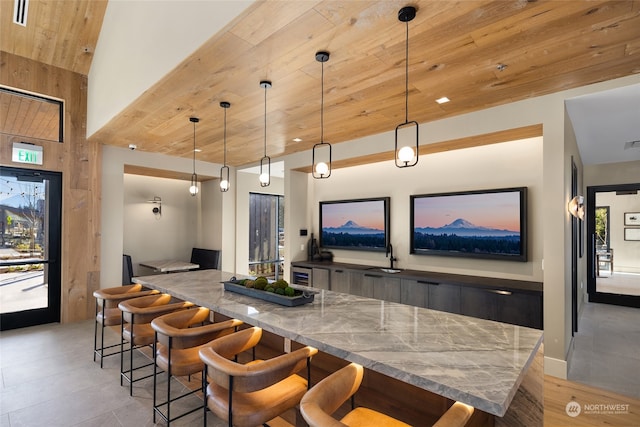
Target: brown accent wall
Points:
(80, 164)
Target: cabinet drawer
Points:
(478, 303)
(320, 278)
(414, 292)
(444, 297)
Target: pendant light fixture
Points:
(407, 154)
(224, 170)
(265, 162)
(321, 154)
(193, 188)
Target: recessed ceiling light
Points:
(297, 139)
(197, 150)
(442, 100)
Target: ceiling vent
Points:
(20, 9)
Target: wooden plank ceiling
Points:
(478, 53)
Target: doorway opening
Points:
(614, 252)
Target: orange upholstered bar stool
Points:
(328, 395)
(254, 393)
(179, 337)
(108, 313)
(137, 314)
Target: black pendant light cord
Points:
(194, 147)
(265, 119)
(225, 136)
(406, 74)
(322, 106)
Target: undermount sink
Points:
(390, 270)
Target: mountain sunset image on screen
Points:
(354, 224)
(474, 223)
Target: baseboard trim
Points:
(555, 367)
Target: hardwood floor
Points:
(48, 378)
(593, 410)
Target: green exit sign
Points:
(26, 153)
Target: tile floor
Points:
(49, 378)
(607, 349)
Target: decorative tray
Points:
(302, 298)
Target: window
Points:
(266, 235)
(30, 116)
(602, 227)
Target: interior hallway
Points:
(607, 349)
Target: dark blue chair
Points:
(127, 270)
(207, 259)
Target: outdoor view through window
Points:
(22, 211)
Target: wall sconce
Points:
(157, 210)
(576, 207)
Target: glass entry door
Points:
(30, 237)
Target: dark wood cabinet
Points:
(340, 281)
(508, 306)
(384, 287)
(368, 281)
(520, 308)
(503, 300)
(414, 292)
(480, 303)
(320, 278)
(444, 297)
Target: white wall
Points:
(612, 173)
(149, 236)
(162, 42)
(510, 164)
(113, 214)
(296, 217)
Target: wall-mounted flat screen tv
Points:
(361, 224)
(488, 224)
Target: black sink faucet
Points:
(389, 254)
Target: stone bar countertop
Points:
(475, 361)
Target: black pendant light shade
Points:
(321, 154)
(193, 188)
(265, 162)
(407, 134)
(224, 170)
